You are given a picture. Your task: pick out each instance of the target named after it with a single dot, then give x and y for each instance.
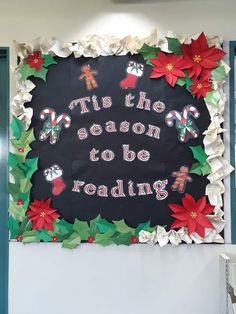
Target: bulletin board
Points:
(118, 141)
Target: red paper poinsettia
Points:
(200, 56)
(202, 85)
(192, 215)
(42, 215)
(35, 61)
(169, 65)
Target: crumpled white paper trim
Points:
(105, 45)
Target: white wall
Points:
(115, 280)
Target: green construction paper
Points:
(43, 235)
(25, 185)
(18, 174)
(93, 225)
(25, 137)
(206, 169)
(26, 225)
(13, 226)
(181, 81)
(13, 160)
(104, 238)
(30, 237)
(104, 225)
(22, 155)
(82, 228)
(13, 190)
(123, 238)
(32, 166)
(48, 60)
(26, 71)
(64, 226)
(174, 45)
(212, 97)
(41, 74)
(148, 52)
(148, 62)
(17, 127)
(196, 169)
(143, 226)
(73, 241)
(218, 73)
(17, 211)
(199, 154)
(122, 227)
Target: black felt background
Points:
(167, 153)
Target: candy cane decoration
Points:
(53, 125)
(183, 122)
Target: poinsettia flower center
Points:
(169, 67)
(197, 58)
(42, 214)
(36, 60)
(193, 215)
(199, 86)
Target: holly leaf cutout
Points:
(143, 226)
(82, 228)
(25, 137)
(13, 226)
(30, 236)
(123, 238)
(199, 154)
(196, 168)
(17, 211)
(17, 127)
(25, 185)
(148, 52)
(174, 45)
(41, 74)
(73, 241)
(48, 60)
(26, 71)
(104, 225)
(218, 73)
(122, 227)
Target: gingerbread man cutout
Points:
(182, 177)
(88, 76)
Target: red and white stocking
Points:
(134, 71)
(54, 176)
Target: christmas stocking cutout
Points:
(54, 175)
(134, 71)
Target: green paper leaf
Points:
(82, 228)
(73, 241)
(148, 52)
(148, 62)
(143, 226)
(181, 81)
(212, 97)
(64, 226)
(17, 211)
(48, 60)
(13, 190)
(199, 154)
(41, 74)
(196, 169)
(26, 225)
(26, 71)
(25, 185)
(25, 137)
(122, 227)
(104, 225)
(30, 237)
(22, 155)
(93, 225)
(104, 238)
(174, 45)
(206, 169)
(17, 127)
(123, 238)
(32, 166)
(13, 160)
(218, 73)
(43, 235)
(13, 226)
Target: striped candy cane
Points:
(53, 124)
(185, 126)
